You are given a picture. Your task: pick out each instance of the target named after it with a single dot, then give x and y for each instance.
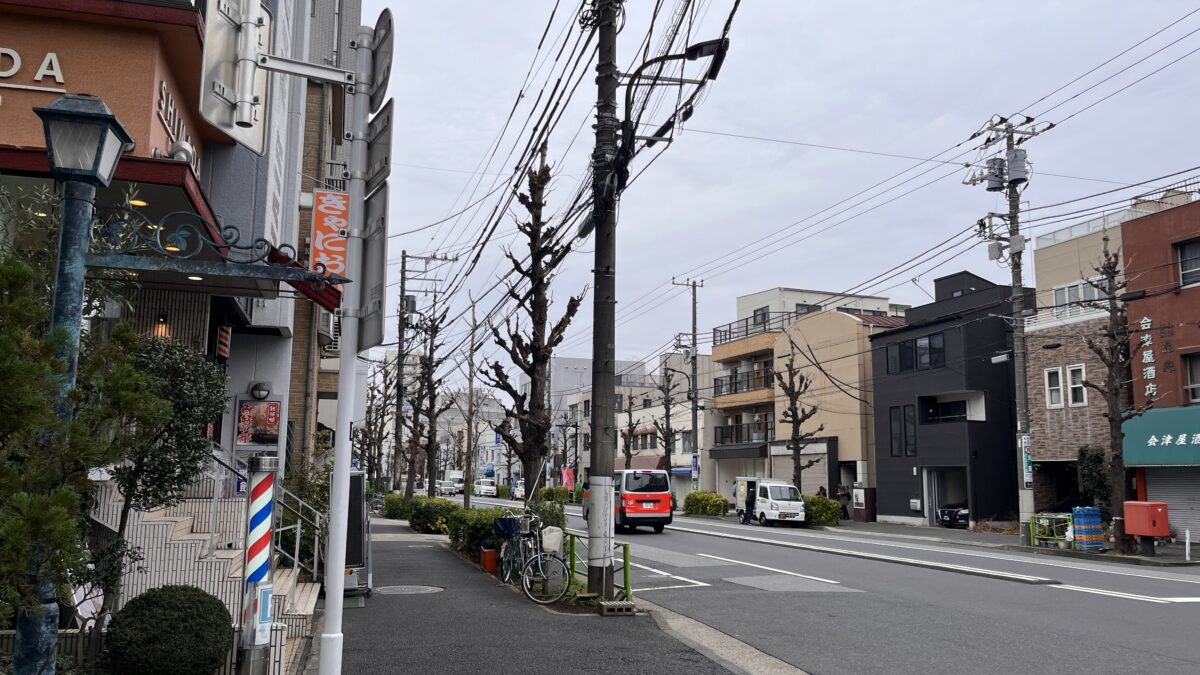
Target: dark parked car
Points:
(954, 515)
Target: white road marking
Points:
(666, 574)
(638, 591)
(915, 562)
(1182, 600)
(769, 569)
(1114, 594)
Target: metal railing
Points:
(753, 432)
(754, 325)
(306, 517)
(739, 382)
(577, 562)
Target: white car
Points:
(445, 487)
(485, 487)
(518, 490)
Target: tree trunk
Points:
(531, 469)
(113, 595)
(410, 481)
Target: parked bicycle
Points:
(544, 576)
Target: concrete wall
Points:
(786, 299)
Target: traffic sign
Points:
(381, 68)
(370, 327)
(218, 72)
(379, 148)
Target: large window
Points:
(934, 411)
(1054, 389)
(1189, 262)
(903, 430)
(920, 354)
(760, 315)
(1076, 298)
(1191, 367)
(1076, 392)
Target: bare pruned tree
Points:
(1112, 347)
(428, 403)
(528, 338)
(628, 432)
(666, 389)
(369, 438)
(794, 385)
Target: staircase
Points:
(200, 542)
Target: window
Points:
(920, 354)
(646, 481)
(893, 358)
(760, 315)
(937, 350)
(1076, 298)
(802, 308)
(1054, 393)
(910, 430)
(1076, 392)
(923, 353)
(785, 493)
(646, 403)
(897, 429)
(587, 408)
(620, 402)
(907, 358)
(1189, 262)
(1191, 368)
(762, 492)
(934, 411)
(653, 441)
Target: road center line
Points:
(1114, 594)
(914, 562)
(665, 574)
(769, 569)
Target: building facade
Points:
(945, 423)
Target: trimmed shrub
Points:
(429, 514)
(558, 495)
(821, 510)
(552, 514)
(469, 529)
(396, 507)
(198, 625)
(503, 492)
(705, 504)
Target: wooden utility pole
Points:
(469, 461)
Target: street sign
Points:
(1027, 460)
(497, 438)
(382, 63)
(218, 73)
(695, 471)
(331, 214)
(379, 148)
(370, 327)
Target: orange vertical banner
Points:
(331, 213)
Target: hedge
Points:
(705, 504)
(469, 529)
(199, 628)
(503, 492)
(552, 514)
(821, 510)
(395, 506)
(429, 514)
(557, 495)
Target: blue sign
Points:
(354, 463)
(497, 438)
(490, 470)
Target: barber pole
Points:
(256, 608)
(224, 338)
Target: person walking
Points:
(821, 492)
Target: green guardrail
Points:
(576, 562)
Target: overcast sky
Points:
(906, 78)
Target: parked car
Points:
(518, 490)
(459, 485)
(641, 498)
(445, 487)
(775, 501)
(954, 514)
(485, 487)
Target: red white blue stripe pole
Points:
(256, 610)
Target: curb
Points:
(1099, 557)
(913, 537)
(720, 648)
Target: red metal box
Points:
(1147, 519)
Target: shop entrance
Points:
(944, 487)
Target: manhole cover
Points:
(407, 590)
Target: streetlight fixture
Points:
(84, 141)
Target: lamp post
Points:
(84, 141)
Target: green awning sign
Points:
(1166, 436)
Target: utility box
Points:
(1147, 519)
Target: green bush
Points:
(558, 495)
(552, 514)
(429, 514)
(470, 528)
(396, 507)
(705, 504)
(821, 510)
(503, 492)
(199, 628)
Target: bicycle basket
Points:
(525, 524)
(505, 526)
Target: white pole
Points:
(1187, 545)
(339, 489)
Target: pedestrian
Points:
(749, 505)
(821, 492)
(843, 495)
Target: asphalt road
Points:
(832, 603)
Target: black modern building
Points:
(945, 423)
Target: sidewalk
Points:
(477, 625)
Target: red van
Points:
(641, 498)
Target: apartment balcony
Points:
(744, 389)
(749, 336)
(738, 434)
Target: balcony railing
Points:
(753, 432)
(762, 323)
(751, 381)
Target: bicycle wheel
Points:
(510, 564)
(545, 579)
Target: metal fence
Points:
(577, 557)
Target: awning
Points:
(739, 451)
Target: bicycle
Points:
(544, 576)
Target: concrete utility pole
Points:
(693, 387)
(1008, 174)
(401, 362)
(472, 441)
(604, 220)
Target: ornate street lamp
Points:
(84, 141)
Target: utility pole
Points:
(604, 219)
(1008, 174)
(401, 362)
(693, 389)
(469, 476)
